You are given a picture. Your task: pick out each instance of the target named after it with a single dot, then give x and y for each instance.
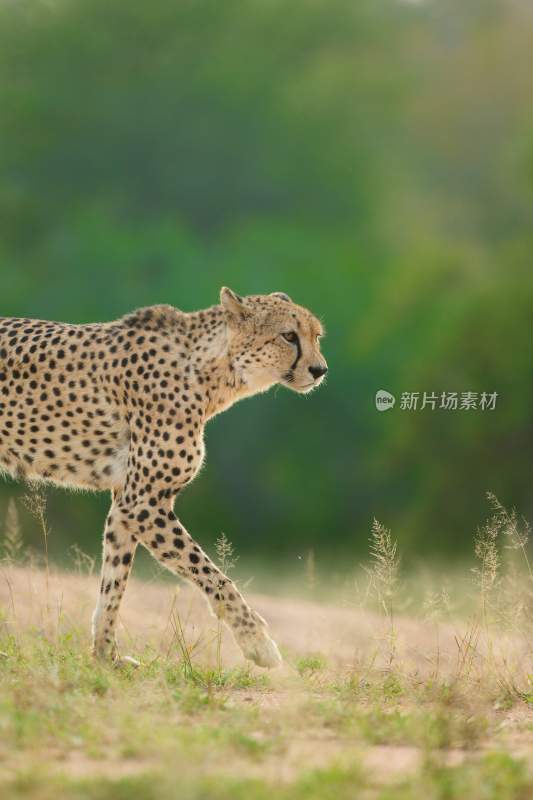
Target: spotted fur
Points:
(121, 406)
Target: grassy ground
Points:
(366, 705)
(389, 690)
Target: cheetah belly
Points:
(83, 447)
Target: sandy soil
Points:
(348, 638)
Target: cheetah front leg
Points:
(160, 531)
(178, 552)
(118, 552)
(146, 511)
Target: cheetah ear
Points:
(233, 304)
(282, 296)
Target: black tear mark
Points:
(298, 352)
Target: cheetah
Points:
(122, 406)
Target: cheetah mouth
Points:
(287, 379)
(303, 388)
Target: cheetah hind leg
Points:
(117, 559)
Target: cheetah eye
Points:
(291, 337)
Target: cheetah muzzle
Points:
(122, 406)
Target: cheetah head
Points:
(271, 340)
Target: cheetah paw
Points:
(263, 652)
(126, 661)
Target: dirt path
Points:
(344, 636)
(344, 641)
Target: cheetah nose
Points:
(317, 372)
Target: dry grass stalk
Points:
(383, 574)
(13, 541)
(227, 560)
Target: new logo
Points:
(384, 400)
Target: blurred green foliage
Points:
(372, 159)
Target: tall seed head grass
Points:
(383, 575)
(516, 529)
(35, 502)
(227, 560)
(13, 542)
(385, 563)
(486, 551)
(437, 604)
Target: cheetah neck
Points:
(219, 383)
